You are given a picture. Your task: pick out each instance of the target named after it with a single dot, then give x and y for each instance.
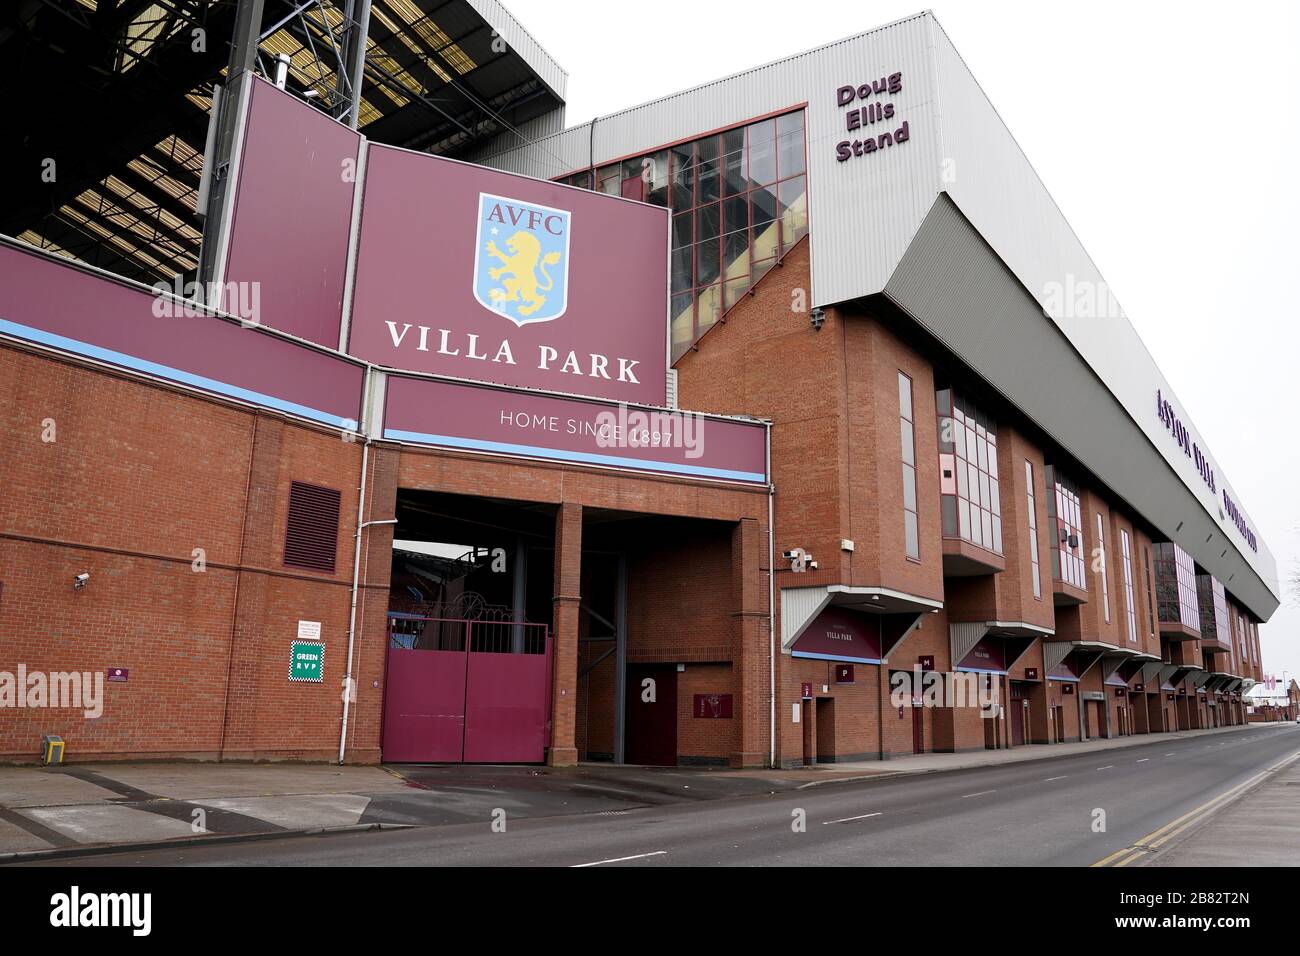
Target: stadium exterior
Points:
(907, 480)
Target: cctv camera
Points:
(80, 580)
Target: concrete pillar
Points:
(749, 644)
(567, 597)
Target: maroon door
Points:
(1017, 722)
(651, 718)
(918, 728)
(506, 708)
(424, 706)
(453, 706)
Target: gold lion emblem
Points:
(521, 267)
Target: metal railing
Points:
(415, 632)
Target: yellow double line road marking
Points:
(1155, 840)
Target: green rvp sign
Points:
(307, 661)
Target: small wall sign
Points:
(844, 673)
(1031, 673)
(117, 674)
(805, 690)
(713, 705)
(307, 661)
(309, 630)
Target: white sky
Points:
(1166, 132)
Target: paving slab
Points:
(14, 839)
(298, 811)
(206, 781)
(46, 787)
(108, 823)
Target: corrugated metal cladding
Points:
(312, 533)
(520, 42)
(958, 290)
(962, 638)
(798, 607)
(994, 186)
(864, 212)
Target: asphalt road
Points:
(1032, 813)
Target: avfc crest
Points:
(521, 259)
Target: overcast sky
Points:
(1168, 134)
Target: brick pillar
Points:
(239, 733)
(1037, 732)
(884, 709)
(365, 718)
(749, 645)
(568, 582)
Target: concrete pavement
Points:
(1065, 811)
(84, 805)
(1261, 829)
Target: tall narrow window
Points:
(1176, 598)
(969, 499)
(1101, 555)
(1151, 604)
(1065, 519)
(1033, 530)
(911, 526)
(1131, 611)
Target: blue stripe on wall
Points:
(172, 374)
(534, 451)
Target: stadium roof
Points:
(110, 102)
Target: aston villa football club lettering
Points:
(869, 111)
(1173, 424)
(521, 259)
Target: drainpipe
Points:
(348, 686)
(771, 605)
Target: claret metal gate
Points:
(472, 691)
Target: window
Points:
(911, 526)
(969, 498)
(739, 201)
(1033, 530)
(1101, 557)
(1176, 599)
(1151, 604)
(1065, 521)
(1214, 609)
(1130, 609)
(311, 537)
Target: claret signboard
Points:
(478, 274)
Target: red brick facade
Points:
(176, 504)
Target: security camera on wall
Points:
(80, 580)
(800, 560)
